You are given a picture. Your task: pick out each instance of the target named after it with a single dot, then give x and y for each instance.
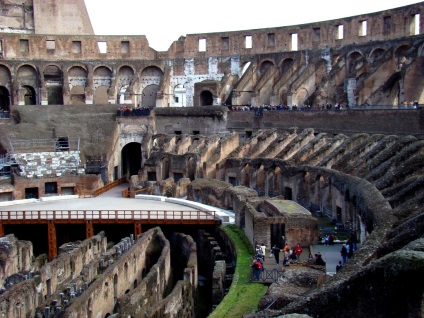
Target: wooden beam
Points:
(137, 229)
(51, 229)
(89, 231)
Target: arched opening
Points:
(191, 169)
(149, 96)
(206, 98)
(165, 168)
(131, 159)
(102, 79)
(29, 95)
(115, 287)
(353, 63)
(77, 77)
(101, 95)
(53, 84)
(125, 78)
(286, 65)
(28, 78)
(260, 181)
(265, 66)
(151, 76)
(4, 99)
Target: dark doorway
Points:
(177, 176)
(233, 181)
(288, 193)
(131, 159)
(31, 193)
(278, 234)
(4, 99)
(50, 188)
(206, 98)
(30, 96)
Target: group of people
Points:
(129, 111)
(260, 109)
(287, 254)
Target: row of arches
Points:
(78, 85)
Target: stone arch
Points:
(165, 165)
(29, 95)
(265, 66)
(53, 79)
(245, 176)
(206, 98)
(286, 65)
(150, 78)
(5, 77)
(191, 168)
(149, 96)
(102, 80)
(27, 78)
(353, 59)
(115, 287)
(377, 53)
(125, 83)
(400, 54)
(77, 81)
(131, 159)
(277, 180)
(260, 180)
(4, 99)
(302, 96)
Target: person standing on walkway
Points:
(298, 251)
(276, 251)
(338, 266)
(263, 249)
(343, 253)
(257, 267)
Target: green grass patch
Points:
(243, 296)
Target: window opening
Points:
(248, 41)
(202, 45)
(102, 46)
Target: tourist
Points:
(326, 239)
(318, 259)
(276, 251)
(298, 251)
(263, 249)
(343, 253)
(338, 266)
(257, 268)
(354, 240)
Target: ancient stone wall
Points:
(180, 302)
(49, 278)
(127, 274)
(68, 185)
(15, 256)
(408, 122)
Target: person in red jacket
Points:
(298, 250)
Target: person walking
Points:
(298, 251)
(276, 251)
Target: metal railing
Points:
(107, 216)
(267, 276)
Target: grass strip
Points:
(243, 296)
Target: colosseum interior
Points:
(332, 122)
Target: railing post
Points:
(1, 229)
(89, 231)
(51, 232)
(137, 229)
